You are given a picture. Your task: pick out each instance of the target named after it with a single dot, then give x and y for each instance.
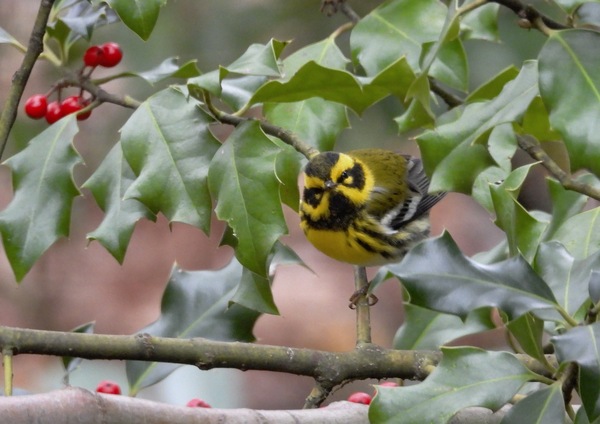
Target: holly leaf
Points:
(542, 406)
(580, 345)
(528, 330)
(195, 304)
(243, 181)
(40, 211)
(108, 184)
(424, 329)
(140, 16)
(439, 277)
(570, 87)
(169, 68)
(168, 144)
(381, 37)
(465, 377)
(580, 234)
(567, 276)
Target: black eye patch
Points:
(313, 196)
(353, 177)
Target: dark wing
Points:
(419, 202)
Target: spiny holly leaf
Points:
(168, 144)
(439, 277)
(258, 59)
(40, 211)
(82, 18)
(108, 184)
(169, 68)
(195, 304)
(570, 87)
(580, 345)
(565, 204)
(542, 406)
(456, 151)
(465, 377)
(580, 234)
(567, 277)
(424, 329)
(382, 36)
(140, 16)
(243, 182)
(494, 86)
(481, 23)
(528, 330)
(314, 120)
(523, 231)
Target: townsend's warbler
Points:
(365, 207)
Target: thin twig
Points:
(450, 99)
(532, 146)
(363, 306)
(530, 13)
(317, 395)
(7, 364)
(20, 78)
(281, 133)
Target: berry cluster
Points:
(36, 107)
(365, 398)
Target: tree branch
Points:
(532, 146)
(530, 13)
(20, 78)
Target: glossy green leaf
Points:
(565, 204)
(481, 23)
(288, 166)
(258, 59)
(540, 407)
(439, 277)
(236, 92)
(83, 18)
(314, 120)
(481, 187)
(465, 377)
(570, 87)
(528, 331)
(394, 29)
(587, 15)
(450, 65)
(140, 16)
(108, 184)
(594, 287)
(523, 231)
(456, 151)
(243, 182)
(40, 210)
(168, 144)
(571, 5)
(536, 122)
(580, 345)
(415, 116)
(195, 304)
(494, 86)
(424, 329)
(580, 234)
(169, 68)
(567, 276)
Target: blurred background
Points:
(76, 282)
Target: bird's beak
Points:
(329, 184)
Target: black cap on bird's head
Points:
(320, 165)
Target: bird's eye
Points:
(343, 176)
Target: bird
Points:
(365, 207)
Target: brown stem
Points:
(20, 78)
(525, 11)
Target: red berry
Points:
(108, 387)
(53, 112)
(360, 397)
(197, 403)
(70, 105)
(111, 54)
(92, 56)
(388, 384)
(85, 115)
(36, 106)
